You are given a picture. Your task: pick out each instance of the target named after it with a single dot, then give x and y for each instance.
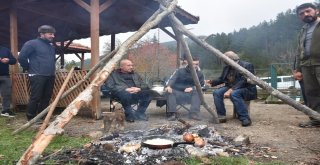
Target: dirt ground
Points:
(274, 127)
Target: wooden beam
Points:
(105, 5)
(82, 61)
(169, 33)
(95, 33)
(83, 5)
(14, 50)
(113, 41)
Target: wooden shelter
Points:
(76, 19)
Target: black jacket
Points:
(240, 80)
(37, 56)
(116, 83)
(182, 79)
(6, 53)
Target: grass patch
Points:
(12, 147)
(220, 160)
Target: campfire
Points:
(137, 146)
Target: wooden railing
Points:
(23, 88)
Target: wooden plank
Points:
(83, 5)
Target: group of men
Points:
(37, 58)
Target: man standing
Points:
(37, 57)
(129, 88)
(236, 88)
(181, 89)
(308, 58)
(6, 59)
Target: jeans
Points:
(41, 91)
(237, 98)
(5, 90)
(143, 98)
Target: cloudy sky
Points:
(218, 16)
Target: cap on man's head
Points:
(46, 29)
(304, 6)
(232, 55)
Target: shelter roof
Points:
(73, 22)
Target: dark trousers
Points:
(41, 92)
(5, 90)
(311, 80)
(303, 93)
(180, 97)
(143, 98)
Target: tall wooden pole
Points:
(14, 50)
(94, 21)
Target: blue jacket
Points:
(6, 53)
(240, 80)
(37, 56)
(182, 79)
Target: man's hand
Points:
(4, 60)
(168, 89)
(187, 90)
(297, 75)
(133, 90)
(228, 93)
(208, 82)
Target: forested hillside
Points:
(271, 41)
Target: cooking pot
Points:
(161, 142)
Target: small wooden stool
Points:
(235, 115)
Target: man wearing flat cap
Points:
(37, 58)
(236, 88)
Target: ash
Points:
(124, 148)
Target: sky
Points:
(217, 16)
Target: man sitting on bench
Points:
(181, 89)
(236, 88)
(129, 88)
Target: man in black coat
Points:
(236, 88)
(181, 89)
(129, 87)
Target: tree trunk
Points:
(56, 127)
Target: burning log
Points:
(56, 127)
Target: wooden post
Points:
(94, 26)
(14, 50)
(113, 42)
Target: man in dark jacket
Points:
(181, 89)
(6, 59)
(129, 87)
(308, 58)
(236, 88)
(37, 57)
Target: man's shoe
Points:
(129, 120)
(246, 122)
(195, 116)
(309, 124)
(222, 119)
(172, 117)
(8, 114)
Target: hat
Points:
(46, 29)
(232, 55)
